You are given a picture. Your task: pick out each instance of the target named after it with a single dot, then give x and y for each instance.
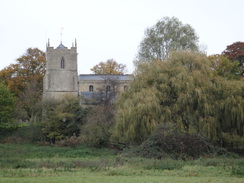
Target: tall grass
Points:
(25, 160)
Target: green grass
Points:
(30, 151)
(30, 163)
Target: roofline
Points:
(105, 74)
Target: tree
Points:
(29, 67)
(181, 91)
(25, 80)
(235, 52)
(63, 118)
(224, 67)
(29, 105)
(108, 90)
(109, 67)
(98, 127)
(169, 34)
(7, 102)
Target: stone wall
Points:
(61, 78)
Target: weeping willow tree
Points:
(182, 91)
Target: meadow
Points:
(31, 163)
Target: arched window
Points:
(108, 88)
(125, 88)
(91, 88)
(62, 63)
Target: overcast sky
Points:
(107, 29)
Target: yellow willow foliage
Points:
(235, 140)
(137, 119)
(191, 61)
(183, 91)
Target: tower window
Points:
(62, 63)
(91, 88)
(125, 88)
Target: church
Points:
(61, 78)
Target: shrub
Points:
(97, 130)
(28, 133)
(168, 142)
(62, 119)
(7, 102)
(73, 141)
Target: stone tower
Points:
(61, 78)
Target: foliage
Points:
(97, 130)
(235, 52)
(224, 67)
(7, 102)
(109, 67)
(72, 141)
(184, 92)
(29, 105)
(29, 67)
(167, 141)
(63, 119)
(25, 81)
(30, 133)
(168, 34)
(108, 90)
(233, 142)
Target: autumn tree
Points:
(25, 80)
(109, 67)
(168, 34)
(180, 91)
(29, 67)
(235, 52)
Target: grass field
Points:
(30, 163)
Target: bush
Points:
(32, 133)
(168, 142)
(62, 119)
(7, 102)
(97, 130)
(73, 141)
(28, 133)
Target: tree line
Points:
(175, 84)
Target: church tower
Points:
(61, 78)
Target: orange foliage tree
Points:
(109, 67)
(29, 67)
(25, 80)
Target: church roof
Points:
(61, 46)
(90, 77)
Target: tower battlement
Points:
(61, 78)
